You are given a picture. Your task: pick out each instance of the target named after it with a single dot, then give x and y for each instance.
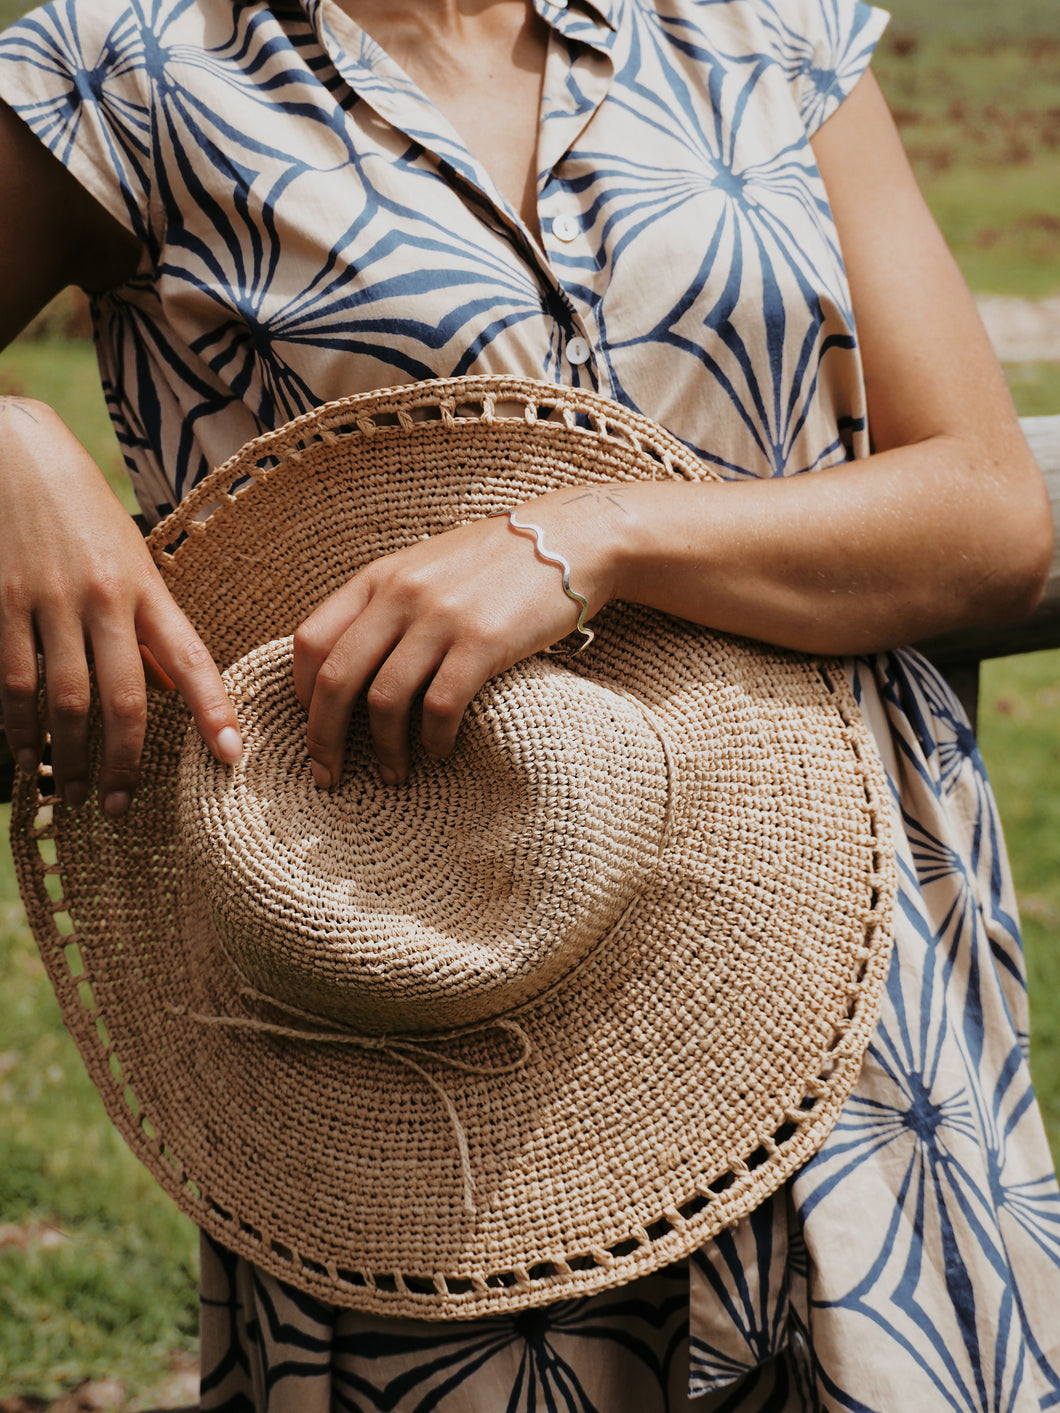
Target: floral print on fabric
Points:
(313, 227)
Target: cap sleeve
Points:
(824, 46)
(77, 73)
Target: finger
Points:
(123, 704)
(19, 686)
(316, 637)
(68, 695)
(181, 654)
(460, 676)
(341, 679)
(400, 679)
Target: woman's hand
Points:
(442, 617)
(77, 584)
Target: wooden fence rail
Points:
(957, 654)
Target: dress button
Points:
(578, 351)
(566, 228)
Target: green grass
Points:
(117, 1292)
(1002, 223)
(979, 23)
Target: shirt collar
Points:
(606, 10)
(588, 25)
(591, 21)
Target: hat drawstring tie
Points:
(400, 1048)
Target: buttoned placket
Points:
(567, 108)
(363, 64)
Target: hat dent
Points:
(459, 896)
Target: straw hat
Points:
(546, 1017)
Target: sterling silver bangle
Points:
(526, 528)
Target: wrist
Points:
(637, 539)
(598, 529)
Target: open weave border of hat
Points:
(679, 1065)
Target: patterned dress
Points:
(313, 227)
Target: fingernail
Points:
(27, 760)
(321, 775)
(75, 793)
(388, 776)
(117, 803)
(229, 745)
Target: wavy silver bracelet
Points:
(526, 528)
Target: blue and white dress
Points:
(313, 227)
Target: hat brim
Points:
(696, 1059)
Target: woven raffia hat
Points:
(546, 1017)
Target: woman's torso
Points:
(314, 228)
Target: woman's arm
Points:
(75, 578)
(946, 524)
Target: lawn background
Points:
(96, 1268)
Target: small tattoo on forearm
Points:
(9, 403)
(591, 493)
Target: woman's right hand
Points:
(78, 585)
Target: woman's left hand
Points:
(440, 618)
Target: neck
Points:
(436, 17)
(481, 63)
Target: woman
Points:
(278, 204)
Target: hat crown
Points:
(475, 887)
